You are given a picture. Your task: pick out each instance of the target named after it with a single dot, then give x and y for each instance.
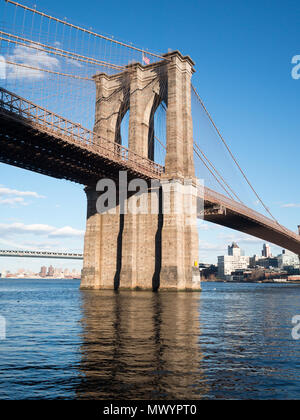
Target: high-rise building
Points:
(266, 252)
(50, 271)
(234, 249)
(43, 271)
(232, 262)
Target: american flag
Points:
(146, 59)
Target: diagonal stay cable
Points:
(234, 159)
(219, 182)
(218, 173)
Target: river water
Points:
(231, 341)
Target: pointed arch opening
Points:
(122, 129)
(157, 131)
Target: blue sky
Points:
(243, 52)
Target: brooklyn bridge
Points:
(113, 87)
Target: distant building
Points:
(50, 271)
(266, 252)
(234, 249)
(208, 271)
(241, 275)
(268, 262)
(227, 264)
(288, 259)
(43, 271)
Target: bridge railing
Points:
(55, 124)
(217, 198)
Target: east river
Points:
(232, 341)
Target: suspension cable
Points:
(48, 71)
(156, 138)
(217, 172)
(123, 44)
(233, 157)
(57, 51)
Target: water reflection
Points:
(141, 345)
(230, 341)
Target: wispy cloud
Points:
(33, 245)
(13, 201)
(6, 230)
(208, 246)
(240, 238)
(12, 197)
(74, 62)
(290, 205)
(17, 193)
(205, 226)
(66, 232)
(30, 57)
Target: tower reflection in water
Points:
(140, 345)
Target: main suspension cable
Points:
(123, 44)
(56, 51)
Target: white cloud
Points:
(66, 232)
(290, 205)
(74, 62)
(11, 197)
(6, 230)
(208, 246)
(30, 57)
(13, 201)
(17, 193)
(33, 245)
(241, 238)
(205, 226)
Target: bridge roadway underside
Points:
(26, 146)
(243, 223)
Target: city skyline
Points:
(34, 263)
(235, 261)
(44, 272)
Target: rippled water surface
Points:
(230, 341)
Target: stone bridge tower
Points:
(158, 249)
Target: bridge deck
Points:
(34, 138)
(41, 254)
(222, 210)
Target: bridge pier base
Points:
(143, 251)
(101, 246)
(180, 237)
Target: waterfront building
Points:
(288, 259)
(232, 262)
